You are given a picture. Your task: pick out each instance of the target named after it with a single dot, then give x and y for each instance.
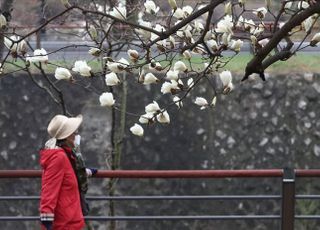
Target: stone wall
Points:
(260, 125)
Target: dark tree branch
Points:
(255, 65)
(213, 4)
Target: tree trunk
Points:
(118, 136)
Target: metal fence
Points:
(287, 198)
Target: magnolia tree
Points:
(173, 45)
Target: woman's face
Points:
(70, 140)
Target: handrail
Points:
(288, 197)
(174, 173)
(183, 197)
(159, 173)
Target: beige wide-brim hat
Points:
(60, 127)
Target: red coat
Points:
(60, 199)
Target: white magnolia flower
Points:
(180, 66)
(112, 79)
(62, 74)
(249, 25)
(188, 34)
(178, 13)
(301, 5)
(254, 40)
(288, 5)
(3, 21)
(14, 47)
(149, 78)
(226, 39)
(137, 130)
(315, 39)
(198, 26)
(242, 2)
(10, 43)
(151, 7)
(155, 66)
(225, 25)
(236, 45)
(144, 33)
(263, 42)
(212, 44)
(240, 22)
(185, 31)
(190, 82)
(258, 30)
(187, 10)
(114, 67)
(177, 101)
(214, 101)
(142, 73)
(22, 47)
(202, 102)
(173, 4)
(39, 55)
(209, 35)
(94, 51)
(169, 87)
(308, 23)
(226, 79)
(124, 62)
(118, 66)
(260, 12)
(106, 99)
(152, 107)
(172, 75)
(82, 68)
(172, 42)
(119, 12)
(146, 118)
(163, 117)
(186, 54)
(133, 55)
(154, 36)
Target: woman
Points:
(60, 204)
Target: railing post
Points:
(288, 199)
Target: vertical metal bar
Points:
(288, 199)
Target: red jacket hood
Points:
(47, 154)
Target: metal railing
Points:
(287, 198)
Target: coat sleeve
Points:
(52, 177)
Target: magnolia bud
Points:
(65, 3)
(95, 52)
(228, 8)
(93, 32)
(3, 21)
(173, 4)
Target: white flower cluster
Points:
(153, 113)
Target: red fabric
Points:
(59, 191)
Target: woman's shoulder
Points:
(56, 155)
